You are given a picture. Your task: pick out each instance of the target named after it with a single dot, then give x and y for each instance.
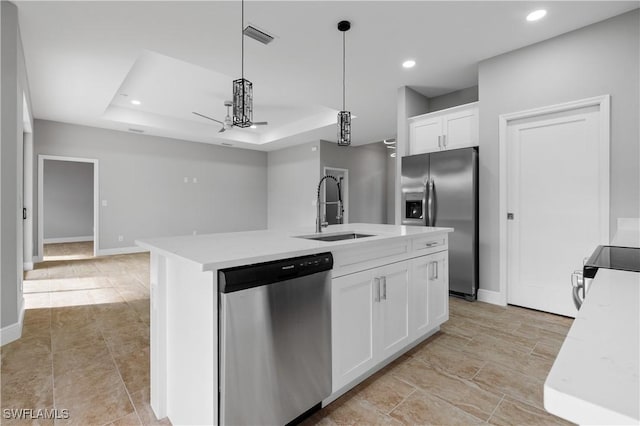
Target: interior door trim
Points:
(604, 106)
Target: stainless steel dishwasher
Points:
(275, 340)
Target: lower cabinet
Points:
(370, 319)
(377, 312)
(429, 293)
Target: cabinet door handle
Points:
(376, 298)
(432, 243)
(384, 288)
(434, 270)
(444, 140)
(439, 142)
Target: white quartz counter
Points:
(223, 250)
(594, 379)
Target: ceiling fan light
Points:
(344, 128)
(242, 102)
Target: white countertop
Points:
(216, 251)
(594, 379)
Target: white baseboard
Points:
(490, 296)
(27, 266)
(68, 240)
(14, 331)
(121, 250)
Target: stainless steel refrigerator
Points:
(441, 189)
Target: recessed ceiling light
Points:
(135, 102)
(536, 14)
(410, 63)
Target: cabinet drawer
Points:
(346, 261)
(430, 244)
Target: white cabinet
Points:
(370, 319)
(429, 293)
(446, 129)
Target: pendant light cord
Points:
(242, 35)
(343, 69)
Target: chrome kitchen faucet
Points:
(319, 222)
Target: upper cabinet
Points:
(451, 128)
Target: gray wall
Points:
(68, 199)
(368, 177)
(449, 100)
(410, 103)
(599, 59)
(142, 180)
(292, 181)
(13, 84)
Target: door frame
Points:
(604, 106)
(96, 198)
(345, 191)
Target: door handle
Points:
(431, 203)
(376, 298)
(384, 288)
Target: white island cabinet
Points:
(389, 292)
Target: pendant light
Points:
(242, 91)
(344, 117)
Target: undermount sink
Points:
(336, 237)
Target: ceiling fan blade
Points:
(260, 123)
(208, 118)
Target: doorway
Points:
(556, 199)
(331, 196)
(67, 208)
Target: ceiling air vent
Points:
(256, 34)
(136, 130)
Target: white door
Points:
(425, 135)
(394, 307)
(555, 194)
(353, 319)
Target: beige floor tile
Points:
(134, 368)
(145, 413)
(128, 420)
(87, 334)
(99, 408)
(80, 358)
(497, 378)
(31, 388)
(510, 409)
(421, 408)
(359, 412)
(384, 392)
(464, 394)
(452, 361)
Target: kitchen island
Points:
(184, 304)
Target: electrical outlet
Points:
(186, 179)
(120, 238)
(195, 180)
(314, 148)
(194, 232)
(104, 203)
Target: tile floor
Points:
(85, 348)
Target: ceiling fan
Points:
(227, 124)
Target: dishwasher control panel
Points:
(248, 276)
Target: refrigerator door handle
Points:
(431, 203)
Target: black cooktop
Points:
(612, 257)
